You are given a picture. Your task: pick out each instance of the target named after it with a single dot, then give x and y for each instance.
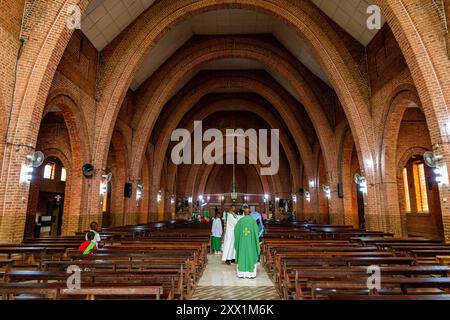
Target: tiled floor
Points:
(220, 282)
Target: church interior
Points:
(357, 91)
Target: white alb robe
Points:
(228, 251)
(216, 230)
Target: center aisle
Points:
(220, 282)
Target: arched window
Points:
(415, 187)
(49, 171)
(63, 174)
(406, 189)
(420, 187)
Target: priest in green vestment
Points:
(246, 243)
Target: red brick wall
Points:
(11, 16)
(79, 63)
(384, 59)
(413, 139)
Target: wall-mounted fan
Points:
(325, 188)
(88, 170)
(431, 159)
(36, 159)
(359, 179)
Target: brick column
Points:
(13, 194)
(395, 221)
(161, 205)
(153, 204)
(169, 208)
(131, 205)
(372, 212)
(444, 190)
(335, 205)
(93, 210)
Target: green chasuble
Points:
(246, 243)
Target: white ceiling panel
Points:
(105, 19)
(351, 15)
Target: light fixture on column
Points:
(26, 173)
(159, 197)
(266, 197)
(361, 182)
(139, 191)
(307, 196)
(172, 199)
(277, 199)
(106, 178)
(294, 198)
(327, 191)
(439, 168)
(200, 198)
(190, 199)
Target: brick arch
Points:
(64, 98)
(208, 174)
(126, 54)
(75, 123)
(244, 105)
(71, 219)
(415, 151)
(399, 191)
(37, 65)
(80, 152)
(249, 83)
(205, 170)
(201, 51)
(401, 99)
(418, 32)
(196, 169)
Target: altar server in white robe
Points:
(228, 251)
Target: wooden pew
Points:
(293, 276)
(57, 291)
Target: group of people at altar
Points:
(238, 238)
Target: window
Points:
(49, 171)
(420, 187)
(63, 174)
(415, 187)
(406, 189)
(105, 197)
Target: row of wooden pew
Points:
(158, 263)
(340, 264)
